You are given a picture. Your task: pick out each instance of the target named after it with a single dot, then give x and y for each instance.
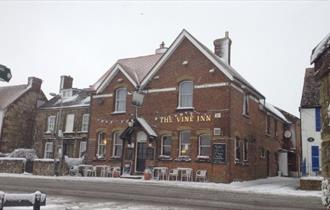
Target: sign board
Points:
(127, 169)
(219, 153)
(5, 74)
(137, 99)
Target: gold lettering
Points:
(208, 118)
(186, 119)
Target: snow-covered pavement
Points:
(270, 185)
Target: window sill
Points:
(246, 115)
(203, 159)
(184, 108)
(48, 132)
(118, 112)
(68, 132)
(82, 131)
(164, 157)
(268, 134)
(115, 158)
(183, 159)
(100, 158)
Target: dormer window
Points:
(186, 94)
(66, 93)
(120, 104)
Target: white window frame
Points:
(120, 100)
(237, 142)
(200, 146)
(85, 123)
(246, 105)
(189, 144)
(245, 150)
(51, 121)
(49, 151)
(82, 147)
(169, 146)
(116, 137)
(69, 125)
(181, 94)
(101, 143)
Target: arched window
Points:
(120, 104)
(101, 142)
(186, 94)
(204, 145)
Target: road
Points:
(150, 193)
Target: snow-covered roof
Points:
(276, 112)
(9, 94)
(146, 127)
(80, 98)
(29, 154)
(320, 48)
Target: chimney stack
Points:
(66, 82)
(34, 83)
(161, 49)
(222, 47)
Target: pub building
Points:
(185, 107)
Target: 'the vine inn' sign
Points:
(185, 118)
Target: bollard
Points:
(37, 200)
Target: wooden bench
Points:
(36, 200)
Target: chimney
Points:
(66, 82)
(34, 83)
(222, 47)
(162, 49)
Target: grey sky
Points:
(272, 41)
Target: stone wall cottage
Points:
(197, 112)
(321, 59)
(18, 106)
(62, 123)
(310, 114)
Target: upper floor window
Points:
(268, 124)
(120, 104)
(186, 94)
(204, 145)
(317, 119)
(246, 104)
(69, 123)
(84, 123)
(275, 127)
(51, 124)
(185, 145)
(117, 145)
(166, 145)
(101, 143)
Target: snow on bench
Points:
(36, 200)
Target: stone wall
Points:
(44, 167)
(12, 165)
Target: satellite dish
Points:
(287, 134)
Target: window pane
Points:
(205, 151)
(166, 147)
(121, 99)
(167, 150)
(186, 93)
(185, 137)
(185, 143)
(205, 140)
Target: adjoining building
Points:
(321, 59)
(18, 108)
(62, 123)
(197, 112)
(310, 115)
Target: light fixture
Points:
(185, 63)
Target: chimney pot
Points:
(161, 49)
(34, 83)
(66, 82)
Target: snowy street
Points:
(111, 193)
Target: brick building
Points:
(62, 123)
(18, 106)
(321, 59)
(197, 112)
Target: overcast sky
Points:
(272, 41)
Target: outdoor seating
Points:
(91, 171)
(160, 173)
(201, 175)
(115, 171)
(173, 173)
(186, 173)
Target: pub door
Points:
(141, 156)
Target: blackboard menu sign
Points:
(219, 153)
(127, 169)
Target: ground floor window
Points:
(82, 148)
(117, 145)
(166, 145)
(49, 150)
(101, 142)
(237, 150)
(245, 150)
(185, 145)
(204, 145)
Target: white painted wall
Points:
(308, 130)
(283, 163)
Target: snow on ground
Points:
(271, 185)
(73, 203)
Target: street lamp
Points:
(5, 74)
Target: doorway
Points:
(141, 152)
